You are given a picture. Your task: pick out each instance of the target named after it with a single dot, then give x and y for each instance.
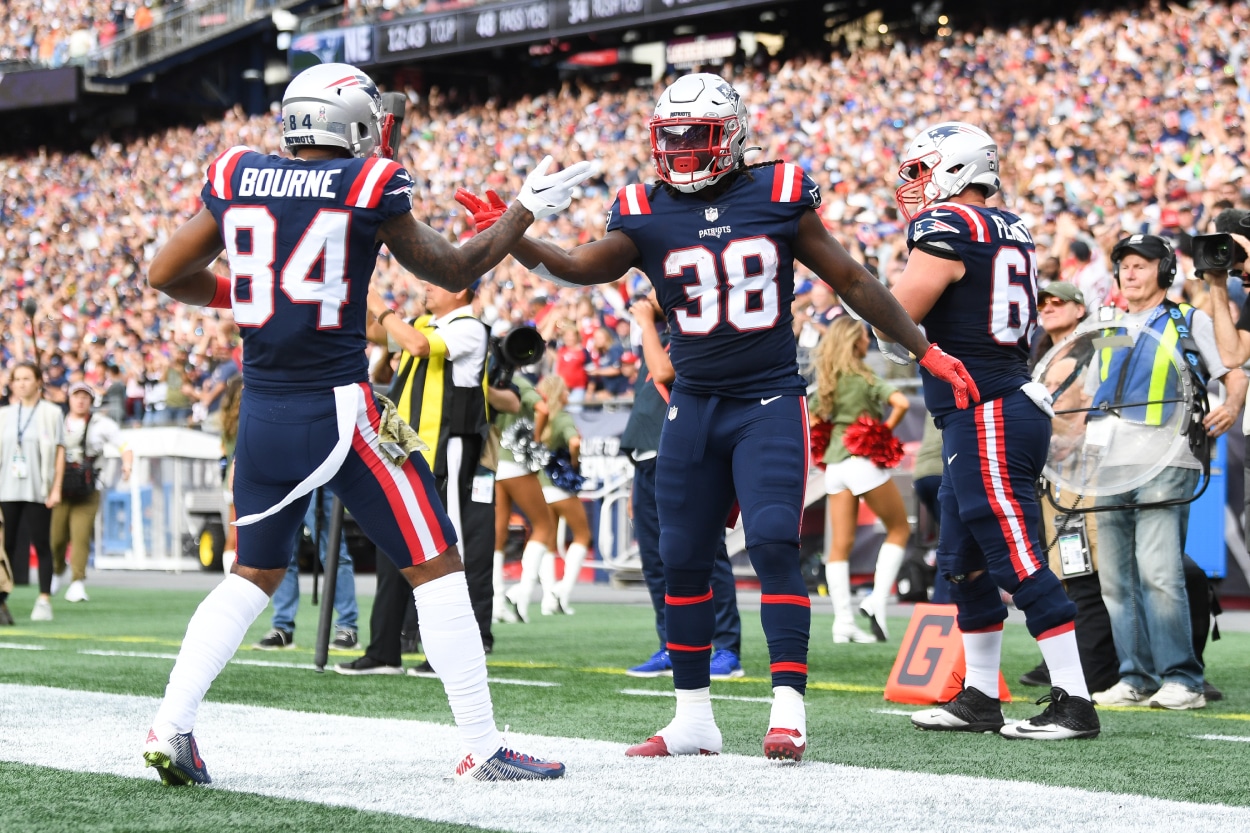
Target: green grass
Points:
(39, 802)
(1141, 751)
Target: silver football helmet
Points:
(943, 160)
(699, 131)
(335, 105)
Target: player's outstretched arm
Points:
(820, 252)
(601, 261)
(427, 255)
(180, 268)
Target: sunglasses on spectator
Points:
(1051, 300)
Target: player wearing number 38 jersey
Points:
(971, 280)
(718, 240)
(301, 237)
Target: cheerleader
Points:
(517, 483)
(851, 399)
(561, 483)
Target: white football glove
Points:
(546, 194)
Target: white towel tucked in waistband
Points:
(348, 400)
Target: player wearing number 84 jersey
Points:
(718, 240)
(301, 237)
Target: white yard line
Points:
(1239, 738)
(302, 666)
(397, 766)
(17, 646)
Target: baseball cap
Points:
(1169, 218)
(1148, 246)
(81, 387)
(1065, 291)
(628, 357)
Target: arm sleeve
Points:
(397, 193)
(1204, 334)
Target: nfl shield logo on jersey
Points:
(710, 214)
(672, 413)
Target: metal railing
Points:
(182, 30)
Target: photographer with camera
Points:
(438, 390)
(1141, 541)
(1216, 257)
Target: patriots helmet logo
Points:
(945, 131)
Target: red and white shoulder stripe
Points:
(787, 182)
(633, 199)
(366, 190)
(222, 170)
(977, 225)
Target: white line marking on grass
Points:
(17, 646)
(496, 680)
(1240, 738)
(893, 711)
(302, 666)
(398, 766)
(645, 692)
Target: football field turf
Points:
(290, 749)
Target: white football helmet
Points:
(699, 131)
(943, 160)
(335, 105)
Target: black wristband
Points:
(385, 313)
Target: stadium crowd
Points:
(1117, 122)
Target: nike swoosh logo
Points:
(766, 401)
(951, 458)
(936, 213)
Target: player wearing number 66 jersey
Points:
(971, 280)
(301, 237)
(719, 240)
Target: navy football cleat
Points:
(507, 765)
(177, 760)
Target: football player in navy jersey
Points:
(301, 236)
(719, 239)
(971, 281)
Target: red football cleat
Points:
(784, 745)
(655, 747)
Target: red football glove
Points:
(951, 370)
(484, 211)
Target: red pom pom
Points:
(866, 437)
(819, 436)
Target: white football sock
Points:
(453, 647)
(1064, 660)
(983, 653)
(838, 577)
(789, 711)
(574, 557)
(693, 728)
(213, 635)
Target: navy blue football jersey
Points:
(723, 272)
(987, 317)
(300, 238)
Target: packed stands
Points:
(1115, 122)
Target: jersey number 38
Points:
(749, 285)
